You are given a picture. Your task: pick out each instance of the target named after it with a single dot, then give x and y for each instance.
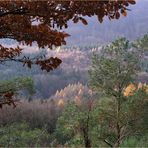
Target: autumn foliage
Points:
(131, 89)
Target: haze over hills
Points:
(133, 26)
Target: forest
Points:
(60, 87)
(107, 107)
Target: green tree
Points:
(77, 124)
(113, 74)
(9, 88)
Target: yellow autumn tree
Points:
(60, 103)
(129, 90)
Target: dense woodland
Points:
(72, 70)
(80, 110)
(54, 94)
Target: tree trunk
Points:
(87, 140)
(118, 136)
(117, 144)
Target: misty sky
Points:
(134, 25)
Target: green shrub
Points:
(20, 135)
